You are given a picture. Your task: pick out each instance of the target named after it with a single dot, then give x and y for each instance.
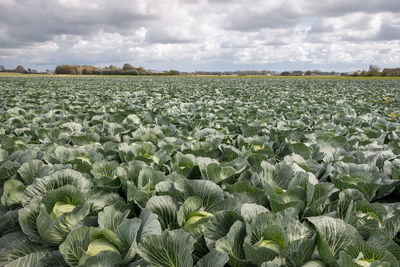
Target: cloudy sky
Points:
(341, 35)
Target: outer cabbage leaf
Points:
(76, 244)
(166, 208)
(111, 217)
(33, 169)
(213, 259)
(208, 191)
(171, 248)
(9, 222)
(54, 232)
(232, 245)
(361, 253)
(218, 226)
(22, 252)
(41, 185)
(334, 235)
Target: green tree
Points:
(128, 66)
(67, 69)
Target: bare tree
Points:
(373, 70)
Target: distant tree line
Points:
(262, 73)
(309, 73)
(127, 69)
(374, 71)
(232, 73)
(18, 69)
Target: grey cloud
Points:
(40, 20)
(165, 35)
(256, 15)
(342, 7)
(357, 27)
(317, 39)
(153, 37)
(388, 32)
(259, 15)
(235, 45)
(276, 42)
(321, 27)
(252, 22)
(356, 38)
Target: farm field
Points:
(158, 171)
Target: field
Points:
(157, 171)
(318, 77)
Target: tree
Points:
(67, 69)
(2, 68)
(142, 71)
(363, 73)
(111, 67)
(88, 70)
(20, 69)
(128, 66)
(174, 72)
(373, 70)
(285, 73)
(308, 73)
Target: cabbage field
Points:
(156, 171)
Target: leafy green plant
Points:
(199, 172)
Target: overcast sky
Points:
(341, 35)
